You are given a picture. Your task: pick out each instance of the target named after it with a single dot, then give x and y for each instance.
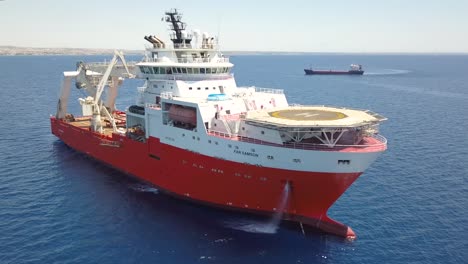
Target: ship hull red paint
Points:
(216, 182)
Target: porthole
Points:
(263, 132)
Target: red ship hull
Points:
(213, 181)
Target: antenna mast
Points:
(180, 38)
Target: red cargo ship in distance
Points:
(355, 69)
(194, 134)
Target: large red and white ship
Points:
(195, 134)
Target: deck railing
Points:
(368, 144)
(188, 60)
(269, 90)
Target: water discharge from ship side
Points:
(275, 221)
(270, 227)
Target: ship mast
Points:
(180, 38)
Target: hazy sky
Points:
(248, 25)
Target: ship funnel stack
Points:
(157, 43)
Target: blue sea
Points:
(410, 206)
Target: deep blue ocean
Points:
(411, 206)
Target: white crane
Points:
(95, 77)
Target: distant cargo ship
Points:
(355, 69)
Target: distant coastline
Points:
(32, 51)
(22, 51)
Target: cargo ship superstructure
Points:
(193, 133)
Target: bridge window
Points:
(208, 70)
(196, 70)
(190, 88)
(145, 69)
(202, 70)
(189, 70)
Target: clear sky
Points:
(244, 25)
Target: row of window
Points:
(182, 70)
(199, 88)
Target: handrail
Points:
(153, 106)
(269, 90)
(368, 145)
(188, 77)
(167, 95)
(188, 60)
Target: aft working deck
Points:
(84, 122)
